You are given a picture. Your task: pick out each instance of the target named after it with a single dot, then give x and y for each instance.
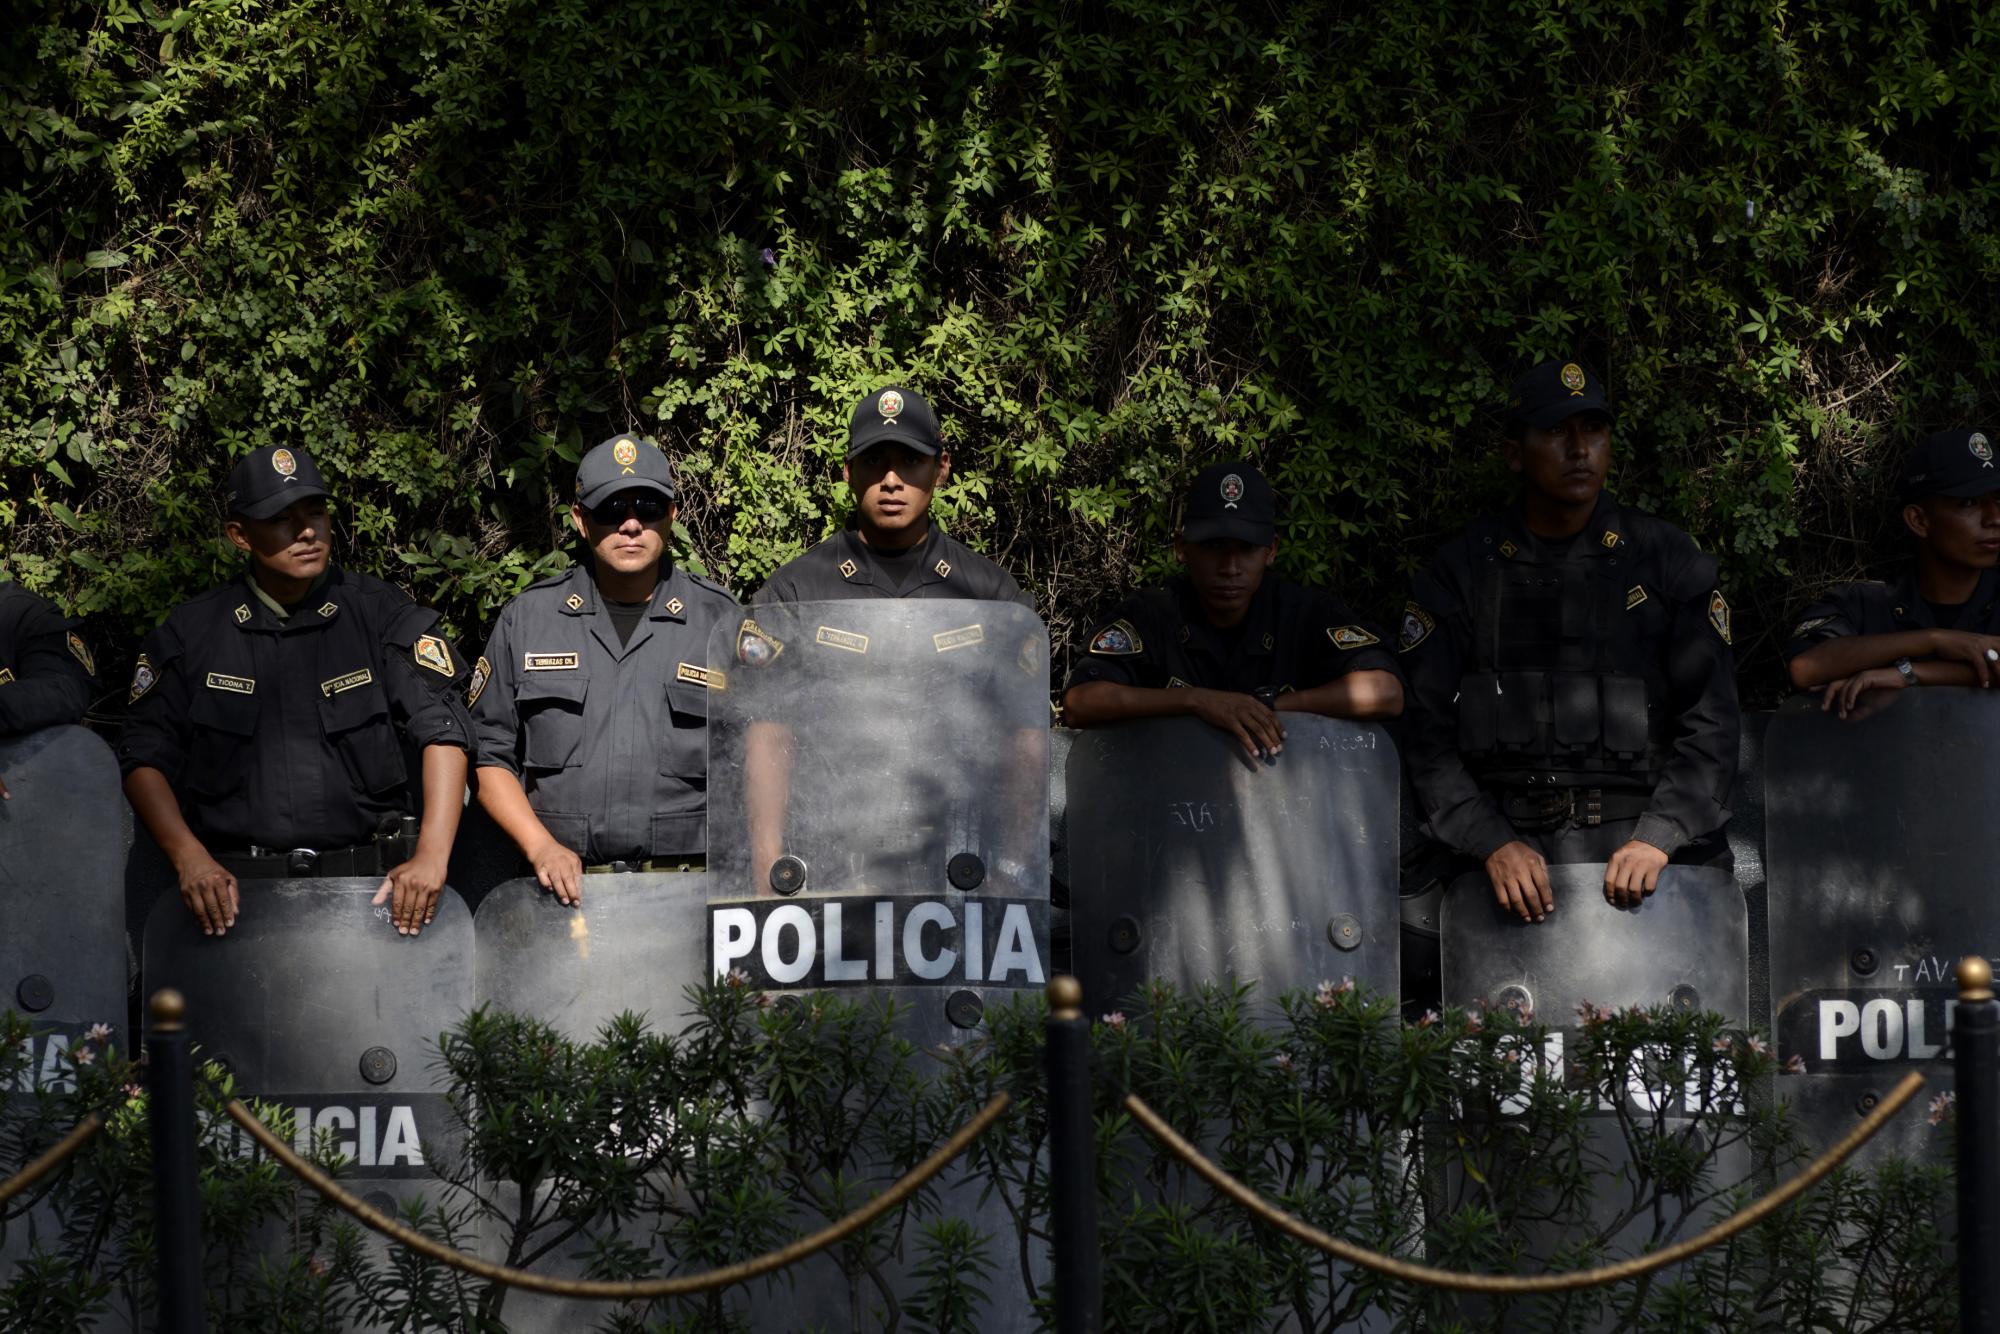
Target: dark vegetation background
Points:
(446, 246)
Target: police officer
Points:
(1573, 694)
(1938, 624)
(1228, 641)
(261, 739)
(46, 671)
(591, 701)
(896, 461)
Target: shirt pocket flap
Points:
(551, 687)
(358, 706)
(224, 711)
(687, 700)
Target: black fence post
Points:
(1975, 1042)
(176, 1189)
(1072, 1161)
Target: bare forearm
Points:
(1837, 659)
(153, 800)
(503, 798)
(767, 792)
(1942, 672)
(444, 800)
(1357, 695)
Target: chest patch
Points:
(351, 681)
(1118, 640)
(755, 647)
(1804, 628)
(1718, 615)
(845, 640)
(1350, 637)
(81, 652)
(6, 675)
(482, 672)
(434, 653)
(1417, 627)
(963, 637)
(694, 675)
(550, 662)
(236, 685)
(1634, 595)
(143, 679)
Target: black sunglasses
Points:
(611, 513)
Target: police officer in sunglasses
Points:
(591, 702)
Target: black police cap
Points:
(268, 480)
(1230, 501)
(1951, 463)
(623, 463)
(893, 413)
(1553, 392)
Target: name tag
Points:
(550, 662)
(964, 637)
(841, 639)
(694, 675)
(350, 681)
(241, 685)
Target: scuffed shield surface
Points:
(1188, 863)
(1881, 849)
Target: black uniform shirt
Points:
(609, 738)
(281, 732)
(46, 671)
(1666, 625)
(1292, 638)
(938, 567)
(1870, 608)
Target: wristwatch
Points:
(1907, 672)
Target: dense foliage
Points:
(641, 1154)
(445, 245)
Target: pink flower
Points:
(1795, 1064)
(99, 1033)
(133, 1091)
(1941, 1106)
(1115, 1021)
(1757, 1045)
(1283, 1062)
(1511, 1057)
(1473, 1024)
(1593, 1014)
(83, 1055)
(1430, 1017)
(737, 979)
(1722, 1045)
(1329, 992)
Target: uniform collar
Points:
(1254, 637)
(581, 596)
(1908, 604)
(857, 562)
(254, 609)
(1602, 535)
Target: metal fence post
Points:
(1975, 1041)
(176, 1190)
(1072, 1160)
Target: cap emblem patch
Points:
(1118, 640)
(1980, 449)
(143, 679)
(433, 653)
(482, 672)
(1573, 379)
(754, 648)
(283, 463)
(1232, 491)
(1718, 616)
(81, 652)
(1417, 627)
(1351, 637)
(626, 453)
(890, 405)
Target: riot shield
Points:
(1880, 856)
(1189, 863)
(878, 824)
(63, 839)
(314, 1002)
(1686, 945)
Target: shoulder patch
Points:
(845, 640)
(81, 652)
(1029, 659)
(482, 672)
(1118, 640)
(432, 652)
(1718, 615)
(1417, 627)
(964, 637)
(144, 678)
(1634, 595)
(1350, 637)
(1806, 627)
(755, 646)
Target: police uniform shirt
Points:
(280, 731)
(1292, 638)
(1869, 608)
(1616, 646)
(844, 567)
(47, 673)
(608, 738)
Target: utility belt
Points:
(1537, 810)
(698, 862)
(395, 844)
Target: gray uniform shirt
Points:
(610, 740)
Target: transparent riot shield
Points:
(64, 836)
(314, 1002)
(1686, 946)
(878, 824)
(1880, 854)
(1190, 863)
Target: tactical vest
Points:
(1565, 683)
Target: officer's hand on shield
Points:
(209, 892)
(1520, 877)
(1846, 694)
(1245, 717)
(1632, 873)
(5, 795)
(560, 872)
(412, 890)
(1979, 652)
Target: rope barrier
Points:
(1510, 1284)
(638, 1289)
(51, 1158)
